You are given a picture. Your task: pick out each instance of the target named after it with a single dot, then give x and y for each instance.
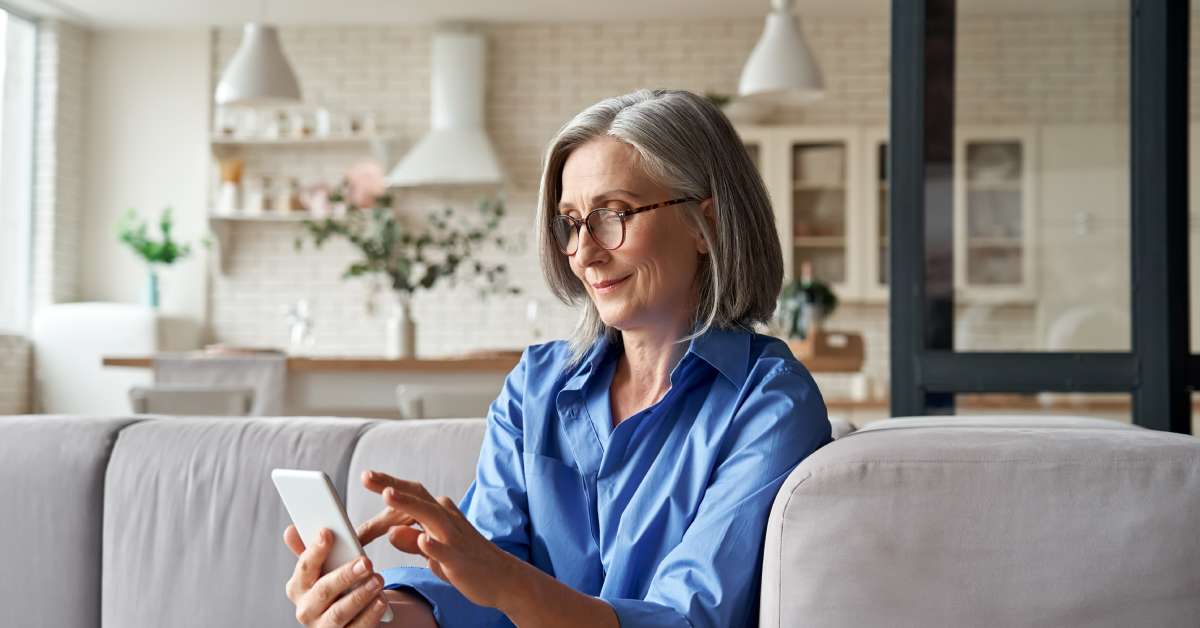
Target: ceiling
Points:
(106, 14)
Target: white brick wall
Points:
(15, 365)
(62, 72)
(1011, 69)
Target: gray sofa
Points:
(1013, 521)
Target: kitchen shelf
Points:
(819, 241)
(264, 217)
(995, 186)
(995, 243)
(332, 140)
(804, 186)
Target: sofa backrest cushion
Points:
(51, 501)
(922, 522)
(193, 527)
(441, 454)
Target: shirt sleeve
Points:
(712, 577)
(495, 503)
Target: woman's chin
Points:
(616, 318)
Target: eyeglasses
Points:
(605, 226)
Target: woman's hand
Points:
(346, 596)
(456, 551)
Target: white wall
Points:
(147, 147)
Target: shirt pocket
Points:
(562, 541)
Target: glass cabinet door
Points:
(820, 210)
(993, 213)
(994, 217)
(876, 251)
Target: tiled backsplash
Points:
(15, 373)
(1011, 69)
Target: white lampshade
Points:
(781, 69)
(259, 73)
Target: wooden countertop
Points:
(490, 363)
(482, 362)
(502, 362)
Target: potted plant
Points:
(804, 304)
(409, 258)
(132, 230)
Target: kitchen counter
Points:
(366, 386)
(490, 363)
(375, 387)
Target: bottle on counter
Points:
(287, 197)
(267, 202)
(252, 197)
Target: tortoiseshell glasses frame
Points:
(602, 224)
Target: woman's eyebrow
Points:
(601, 197)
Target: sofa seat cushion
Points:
(441, 454)
(193, 527)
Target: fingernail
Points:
(360, 567)
(379, 605)
(377, 582)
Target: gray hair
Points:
(683, 142)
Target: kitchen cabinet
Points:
(830, 189)
(812, 176)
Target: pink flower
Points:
(365, 182)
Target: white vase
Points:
(400, 335)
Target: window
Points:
(16, 168)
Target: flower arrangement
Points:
(409, 259)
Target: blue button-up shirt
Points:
(663, 516)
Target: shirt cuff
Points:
(450, 608)
(643, 614)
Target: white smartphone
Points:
(312, 503)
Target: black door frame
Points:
(926, 372)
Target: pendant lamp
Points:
(781, 69)
(258, 73)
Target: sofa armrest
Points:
(920, 522)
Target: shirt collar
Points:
(587, 365)
(726, 350)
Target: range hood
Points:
(456, 151)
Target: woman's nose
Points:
(589, 252)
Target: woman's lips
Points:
(608, 285)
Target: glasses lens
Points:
(565, 234)
(606, 228)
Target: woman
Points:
(626, 476)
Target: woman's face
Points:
(648, 282)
